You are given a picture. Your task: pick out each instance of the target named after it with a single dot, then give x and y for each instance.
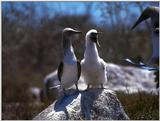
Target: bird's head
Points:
(92, 36)
(152, 12)
(69, 32)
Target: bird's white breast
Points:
(69, 76)
(70, 73)
(94, 72)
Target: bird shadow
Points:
(87, 100)
(63, 101)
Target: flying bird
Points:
(93, 67)
(69, 69)
(152, 13)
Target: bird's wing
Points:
(142, 65)
(60, 71)
(79, 69)
(133, 63)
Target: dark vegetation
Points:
(31, 48)
(140, 106)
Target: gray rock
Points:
(91, 104)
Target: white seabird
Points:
(69, 69)
(153, 13)
(93, 67)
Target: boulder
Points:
(95, 104)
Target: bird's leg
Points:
(102, 86)
(77, 87)
(88, 86)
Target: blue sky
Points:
(73, 8)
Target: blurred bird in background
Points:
(152, 13)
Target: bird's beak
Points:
(145, 15)
(97, 42)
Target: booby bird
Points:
(69, 69)
(153, 13)
(93, 67)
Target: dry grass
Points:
(140, 106)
